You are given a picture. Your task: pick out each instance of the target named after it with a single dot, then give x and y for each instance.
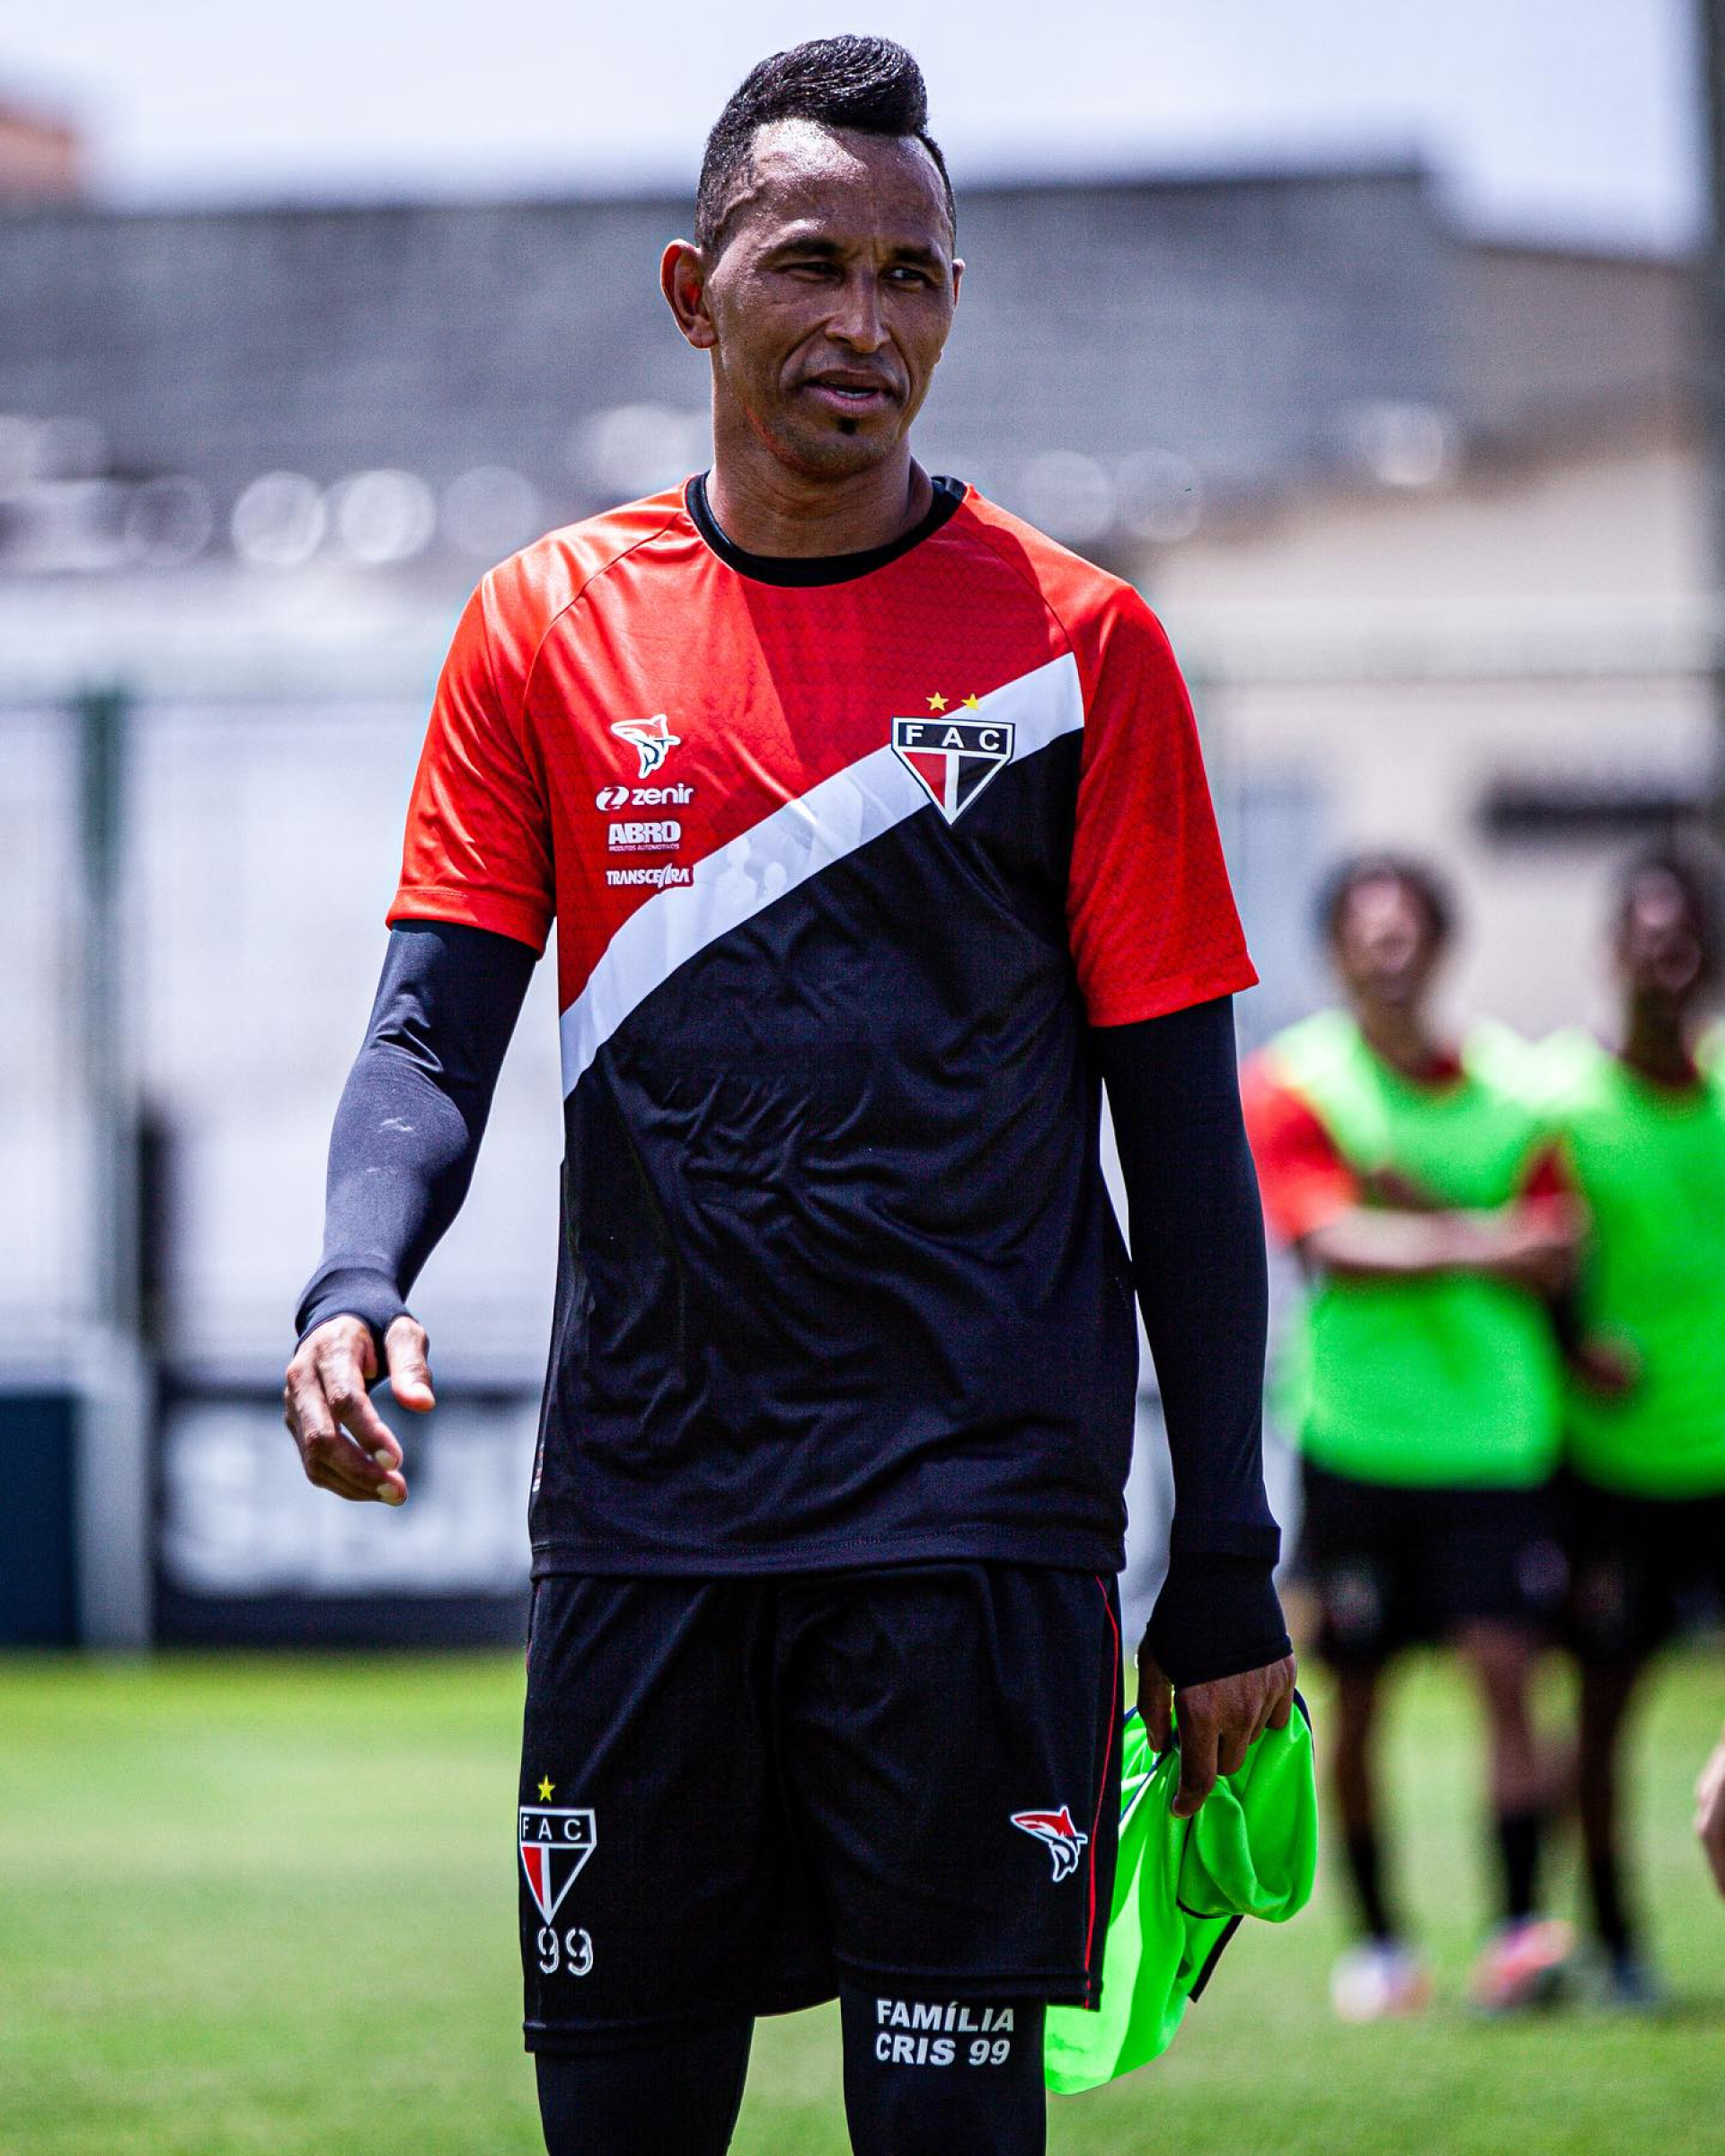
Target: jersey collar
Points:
(816, 568)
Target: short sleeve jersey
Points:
(845, 857)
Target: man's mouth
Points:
(853, 394)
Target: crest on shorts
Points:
(1057, 1835)
(953, 759)
(555, 1840)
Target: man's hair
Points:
(1696, 876)
(868, 84)
(1418, 878)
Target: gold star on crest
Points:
(973, 703)
(937, 702)
(545, 1786)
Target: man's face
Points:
(831, 295)
(1660, 957)
(1385, 950)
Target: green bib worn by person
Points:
(1648, 1158)
(1432, 1377)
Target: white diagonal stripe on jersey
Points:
(783, 850)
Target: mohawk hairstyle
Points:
(868, 84)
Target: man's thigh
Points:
(950, 1737)
(656, 1878)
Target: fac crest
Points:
(952, 759)
(555, 1842)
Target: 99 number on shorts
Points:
(573, 1953)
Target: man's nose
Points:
(857, 321)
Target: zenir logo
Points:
(952, 759)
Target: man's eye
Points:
(904, 275)
(813, 269)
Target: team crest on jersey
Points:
(1057, 1835)
(556, 1841)
(953, 759)
(652, 739)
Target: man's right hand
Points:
(344, 1443)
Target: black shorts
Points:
(735, 1791)
(1640, 1568)
(1391, 1565)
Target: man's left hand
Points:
(1218, 1722)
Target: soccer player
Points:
(1644, 1125)
(1417, 1185)
(876, 835)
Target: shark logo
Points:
(652, 739)
(1057, 1835)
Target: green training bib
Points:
(1450, 1380)
(1181, 1888)
(1651, 1162)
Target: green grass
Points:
(261, 1905)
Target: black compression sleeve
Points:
(411, 1116)
(1196, 1235)
(942, 2077)
(669, 2092)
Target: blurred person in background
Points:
(877, 837)
(1643, 1126)
(1710, 1814)
(1420, 1191)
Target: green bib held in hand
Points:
(1181, 1888)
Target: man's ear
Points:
(682, 279)
(958, 279)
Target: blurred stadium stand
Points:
(1426, 516)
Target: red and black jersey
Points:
(845, 856)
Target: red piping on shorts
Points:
(1108, 1754)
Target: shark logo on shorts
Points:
(1058, 1835)
(556, 1841)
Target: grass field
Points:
(260, 1904)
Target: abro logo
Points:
(651, 837)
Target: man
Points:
(1417, 1188)
(1643, 1124)
(874, 829)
